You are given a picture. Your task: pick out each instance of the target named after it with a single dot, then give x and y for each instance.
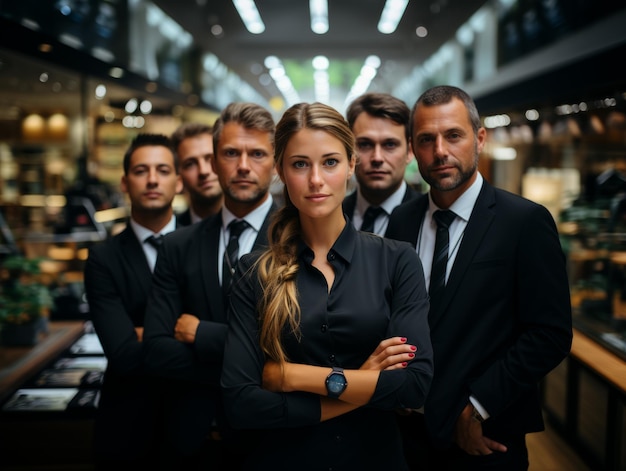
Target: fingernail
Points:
(413, 347)
(404, 363)
(411, 355)
(402, 339)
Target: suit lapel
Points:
(209, 249)
(349, 205)
(479, 222)
(261, 241)
(133, 256)
(413, 225)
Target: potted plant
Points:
(25, 301)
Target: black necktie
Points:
(155, 241)
(371, 213)
(231, 254)
(440, 257)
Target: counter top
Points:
(18, 364)
(599, 359)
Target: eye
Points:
(364, 146)
(188, 164)
(298, 164)
(332, 162)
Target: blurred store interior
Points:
(80, 78)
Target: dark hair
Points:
(187, 130)
(143, 140)
(380, 105)
(442, 94)
(249, 115)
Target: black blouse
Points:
(378, 292)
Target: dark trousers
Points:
(421, 455)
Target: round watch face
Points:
(336, 383)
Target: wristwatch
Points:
(336, 382)
(476, 415)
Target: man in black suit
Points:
(186, 316)
(118, 275)
(503, 318)
(194, 144)
(380, 123)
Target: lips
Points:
(316, 197)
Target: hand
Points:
(468, 435)
(390, 354)
(185, 328)
(139, 332)
(273, 375)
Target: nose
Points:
(315, 178)
(205, 166)
(377, 154)
(440, 149)
(153, 177)
(243, 165)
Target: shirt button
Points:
(331, 256)
(324, 327)
(338, 438)
(331, 358)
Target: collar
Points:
(193, 216)
(388, 205)
(255, 218)
(343, 246)
(143, 233)
(464, 205)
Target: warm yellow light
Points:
(57, 126)
(33, 127)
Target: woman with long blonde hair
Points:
(328, 330)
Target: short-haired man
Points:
(118, 275)
(380, 123)
(194, 144)
(500, 313)
(186, 316)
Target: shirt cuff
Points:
(478, 406)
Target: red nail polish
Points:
(402, 339)
(413, 347)
(404, 363)
(411, 355)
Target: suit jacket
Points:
(505, 321)
(186, 281)
(117, 284)
(349, 202)
(184, 218)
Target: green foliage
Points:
(23, 298)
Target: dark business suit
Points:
(184, 218)
(186, 281)
(349, 202)
(505, 320)
(117, 284)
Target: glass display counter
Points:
(596, 262)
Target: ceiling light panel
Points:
(319, 16)
(250, 15)
(391, 15)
